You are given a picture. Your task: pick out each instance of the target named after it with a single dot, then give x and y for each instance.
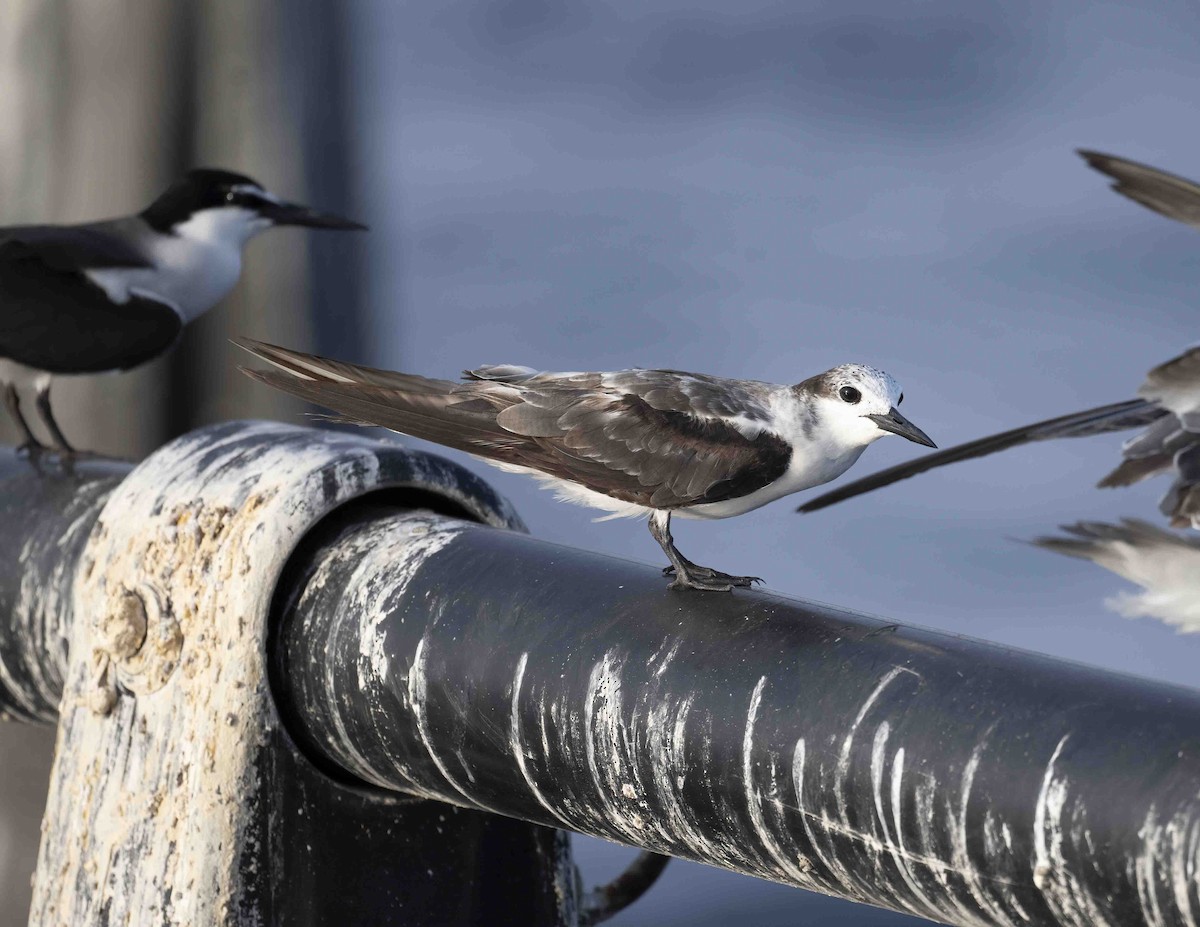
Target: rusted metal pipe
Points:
(935, 775)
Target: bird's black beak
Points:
(295, 214)
(897, 424)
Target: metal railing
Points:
(309, 678)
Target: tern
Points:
(651, 443)
(1164, 564)
(1170, 397)
(111, 295)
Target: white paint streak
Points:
(417, 693)
(1062, 888)
(517, 741)
(604, 729)
(789, 866)
(1168, 864)
(903, 857)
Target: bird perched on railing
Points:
(1170, 397)
(650, 443)
(111, 295)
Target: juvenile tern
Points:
(652, 443)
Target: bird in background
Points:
(1169, 402)
(652, 443)
(110, 295)
(1166, 565)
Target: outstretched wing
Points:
(53, 318)
(614, 433)
(1171, 196)
(1165, 565)
(1132, 413)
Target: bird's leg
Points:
(47, 416)
(687, 574)
(13, 403)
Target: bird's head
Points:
(216, 205)
(857, 404)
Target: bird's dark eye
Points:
(850, 394)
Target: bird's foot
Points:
(31, 449)
(707, 579)
(43, 456)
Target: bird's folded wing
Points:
(57, 320)
(1172, 196)
(1132, 413)
(72, 248)
(596, 430)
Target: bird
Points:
(1165, 564)
(1169, 400)
(111, 295)
(638, 443)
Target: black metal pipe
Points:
(48, 505)
(941, 776)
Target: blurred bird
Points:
(112, 295)
(1165, 565)
(633, 443)
(1170, 397)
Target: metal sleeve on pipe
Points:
(936, 775)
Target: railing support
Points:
(176, 797)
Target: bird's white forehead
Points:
(256, 190)
(867, 379)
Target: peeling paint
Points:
(200, 530)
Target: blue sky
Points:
(768, 194)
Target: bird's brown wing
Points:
(1119, 416)
(1174, 197)
(598, 430)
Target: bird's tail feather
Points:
(410, 404)
(323, 369)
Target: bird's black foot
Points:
(707, 579)
(41, 458)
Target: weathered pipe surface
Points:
(931, 774)
(176, 796)
(47, 510)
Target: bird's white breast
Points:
(194, 268)
(818, 455)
